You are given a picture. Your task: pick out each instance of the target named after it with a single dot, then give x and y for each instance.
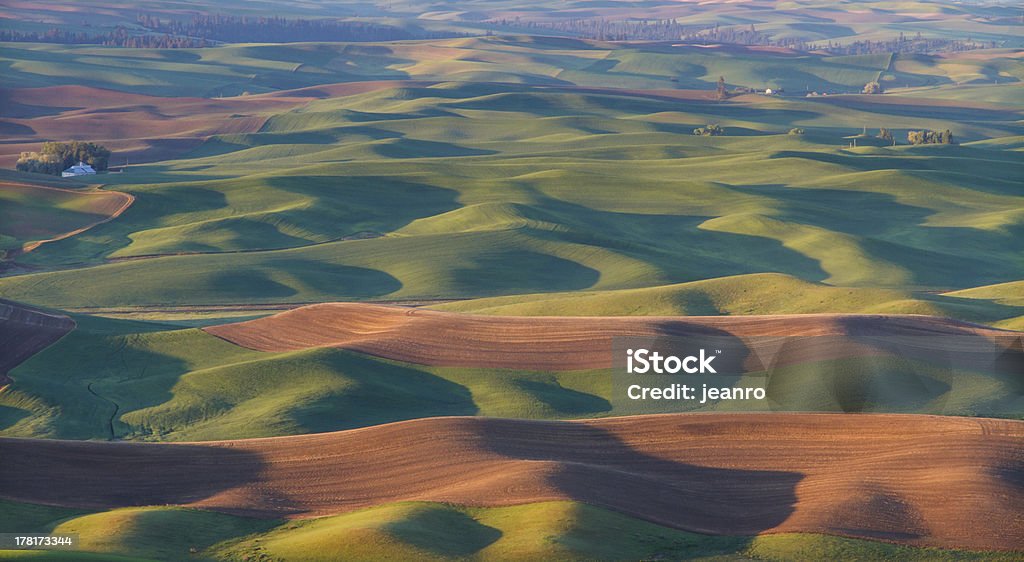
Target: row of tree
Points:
(200, 30)
(670, 30)
(244, 29)
(55, 157)
(645, 30)
(119, 37)
(913, 137)
(602, 29)
(916, 137)
(205, 30)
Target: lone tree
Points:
(709, 131)
(885, 134)
(872, 88)
(55, 157)
(721, 93)
(930, 137)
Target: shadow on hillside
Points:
(10, 416)
(108, 475)
(462, 535)
(379, 392)
(676, 244)
(920, 108)
(344, 204)
(417, 148)
(95, 377)
(551, 394)
(904, 159)
(523, 271)
(595, 466)
(954, 356)
(156, 173)
(878, 213)
(940, 256)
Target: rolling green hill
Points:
(509, 169)
(236, 69)
(807, 19)
(472, 190)
(115, 379)
(31, 213)
(1004, 294)
(175, 384)
(424, 531)
(768, 293)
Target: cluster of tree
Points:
(55, 157)
(119, 37)
(710, 130)
(732, 35)
(930, 137)
(872, 88)
(796, 131)
(38, 163)
(245, 29)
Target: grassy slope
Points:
(809, 20)
(135, 380)
(30, 212)
(768, 293)
(67, 556)
(234, 69)
(430, 531)
(1002, 295)
(495, 191)
(123, 379)
(1011, 293)
(478, 207)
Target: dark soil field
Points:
(918, 480)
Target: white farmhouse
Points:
(82, 169)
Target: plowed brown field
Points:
(538, 343)
(921, 480)
(24, 331)
(139, 127)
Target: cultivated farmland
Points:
(358, 299)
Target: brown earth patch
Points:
(431, 337)
(25, 331)
(919, 480)
(139, 127)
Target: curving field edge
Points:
(916, 480)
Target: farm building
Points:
(82, 169)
